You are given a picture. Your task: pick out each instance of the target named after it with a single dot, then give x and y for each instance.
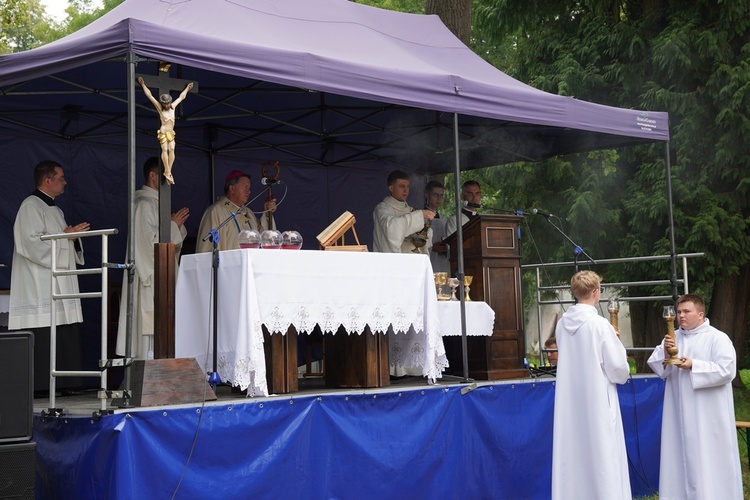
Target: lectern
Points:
(492, 255)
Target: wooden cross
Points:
(164, 251)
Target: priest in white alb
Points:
(589, 459)
(398, 226)
(146, 234)
(31, 274)
(236, 194)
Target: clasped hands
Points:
(78, 228)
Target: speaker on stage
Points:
(16, 389)
(18, 471)
(169, 381)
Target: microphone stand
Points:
(214, 379)
(503, 210)
(577, 249)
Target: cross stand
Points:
(213, 378)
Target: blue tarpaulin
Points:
(426, 442)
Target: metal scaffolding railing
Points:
(540, 288)
(54, 372)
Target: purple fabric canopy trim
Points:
(332, 46)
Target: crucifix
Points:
(166, 135)
(164, 251)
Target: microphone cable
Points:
(278, 203)
(205, 388)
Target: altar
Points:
(279, 289)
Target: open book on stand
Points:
(333, 237)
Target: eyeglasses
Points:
(437, 195)
(601, 290)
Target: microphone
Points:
(539, 212)
(267, 182)
(472, 205)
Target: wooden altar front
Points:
(492, 255)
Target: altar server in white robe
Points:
(146, 234)
(31, 275)
(699, 450)
(589, 459)
(396, 222)
(236, 194)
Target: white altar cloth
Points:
(302, 288)
(480, 318)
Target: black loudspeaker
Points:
(18, 471)
(16, 389)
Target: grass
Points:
(742, 413)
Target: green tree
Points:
(23, 25)
(411, 6)
(689, 59)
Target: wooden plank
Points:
(281, 361)
(164, 300)
(356, 360)
(157, 382)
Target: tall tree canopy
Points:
(689, 58)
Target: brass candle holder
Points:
(613, 306)
(669, 317)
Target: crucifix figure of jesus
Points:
(165, 108)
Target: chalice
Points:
(669, 317)
(453, 282)
(441, 279)
(467, 282)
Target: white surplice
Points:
(146, 233)
(451, 226)
(589, 460)
(32, 260)
(440, 263)
(216, 214)
(395, 222)
(699, 450)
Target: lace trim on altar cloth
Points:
(415, 349)
(241, 376)
(352, 319)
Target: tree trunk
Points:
(455, 14)
(728, 312)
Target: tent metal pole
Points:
(212, 162)
(460, 250)
(130, 271)
(672, 249)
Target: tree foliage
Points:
(24, 24)
(687, 58)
